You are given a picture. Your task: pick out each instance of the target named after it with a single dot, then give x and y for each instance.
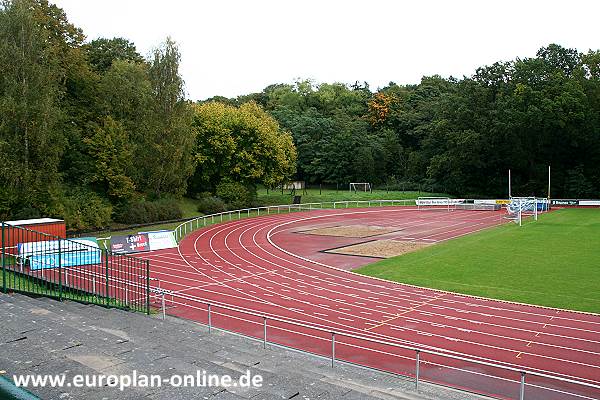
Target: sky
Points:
(235, 47)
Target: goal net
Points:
(435, 203)
(520, 207)
(360, 187)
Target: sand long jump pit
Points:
(351, 231)
(385, 248)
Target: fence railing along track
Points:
(199, 222)
(75, 269)
(422, 363)
(129, 287)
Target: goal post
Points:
(435, 203)
(520, 207)
(360, 187)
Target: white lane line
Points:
(404, 288)
(484, 333)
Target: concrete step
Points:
(47, 336)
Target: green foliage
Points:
(328, 129)
(578, 185)
(30, 137)
(85, 210)
(164, 155)
(211, 205)
(142, 211)
(102, 52)
(110, 149)
(236, 195)
(243, 144)
(127, 96)
(85, 115)
(460, 136)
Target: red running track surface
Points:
(267, 265)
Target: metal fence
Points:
(189, 226)
(75, 269)
(422, 364)
(122, 281)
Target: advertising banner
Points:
(70, 259)
(53, 246)
(159, 240)
(438, 202)
(129, 243)
(594, 203)
(72, 252)
(564, 202)
(487, 201)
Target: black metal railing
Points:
(75, 269)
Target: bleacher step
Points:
(68, 337)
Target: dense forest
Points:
(94, 132)
(458, 136)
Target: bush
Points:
(202, 195)
(27, 213)
(142, 212)
(236, 195)
(84, 210)
(211, 205)
(166, 209)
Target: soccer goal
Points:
(360, 187)
(435, 203)
(520, 207)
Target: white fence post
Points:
(209, 319)
(417, 370)
(264, 332)
(332, 349)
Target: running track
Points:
(266, 265)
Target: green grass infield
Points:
(554, 262)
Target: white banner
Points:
(159, 240)
(589, 202)
(494, 201)
(52, 246)
(439, 202)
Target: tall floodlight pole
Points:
(509, 192)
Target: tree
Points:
(380, 107)
(164, 156)
(243, 144)
(30, 142)
(126, 94)
(110, 149)
(102, 52)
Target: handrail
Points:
(182, 229)
(422, 349)
(418, 349)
